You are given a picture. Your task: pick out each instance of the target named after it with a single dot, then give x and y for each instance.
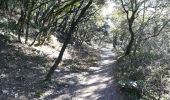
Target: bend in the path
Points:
(100, 85)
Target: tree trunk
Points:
(21, 25)
(130, 19)
(57, 62)
(28, 20)
(36, 36)
(27, 29)
(130, 45)
(132, 34)
(115, 41)
(66, 42)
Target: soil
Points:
(22, 69)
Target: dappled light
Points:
(84, 50)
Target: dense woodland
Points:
(43, 42)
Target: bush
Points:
(5, 39)
(142, 76)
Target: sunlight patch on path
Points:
(99, 85)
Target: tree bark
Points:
(133, 10)
(21, 25)
(27, 29)
(66, 42)
(57, 62)
(130, 45)
(28, 20)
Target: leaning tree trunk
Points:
(66, 42)
(57, 62)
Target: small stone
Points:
(5, 91)
(16, 95)
(2, 75)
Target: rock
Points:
(5, 91)
(16, 95)
(2, 75)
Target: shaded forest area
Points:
(48, 47)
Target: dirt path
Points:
(100, 84)
(20, 78)
(96, 85)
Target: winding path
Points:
(96, 85)
(100, 84)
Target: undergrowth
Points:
(143, 76)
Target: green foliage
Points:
(142, 73)
(132, 88)
(65, 8)
(5, 38)
(38, 93)
(134, 84)
(73, 67)
(92, 60)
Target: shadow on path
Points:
(100, 84)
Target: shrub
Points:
(142, 76)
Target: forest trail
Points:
(100, 84)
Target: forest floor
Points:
(100, 85)
(22, 69)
